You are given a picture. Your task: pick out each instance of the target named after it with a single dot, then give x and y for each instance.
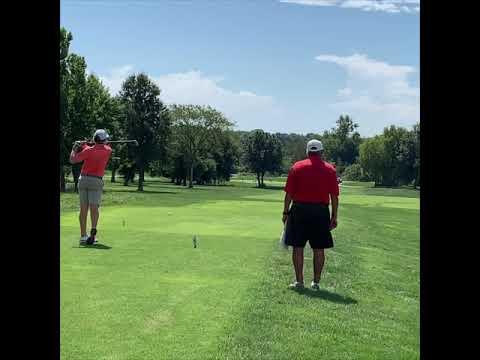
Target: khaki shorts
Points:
(90, 190)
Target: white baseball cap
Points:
(102, 134)
(314, 145)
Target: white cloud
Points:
(371, 5)
(247, 109)
(312, 2)
(377, 94)
(389, 6)
(118, 3)
(113, 81)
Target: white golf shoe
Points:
(83, 240)
(315, 286)
(296, 285)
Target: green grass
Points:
(253, 178)
(146, 293)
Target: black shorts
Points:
(309, 221)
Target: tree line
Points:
(193, 144)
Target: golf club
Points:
(90, 142)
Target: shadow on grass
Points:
(140, 192)
(327, 295)
(268, 187)
(95, 246)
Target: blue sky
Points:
(279, 65)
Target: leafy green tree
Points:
(114, 164)
(85, 104)
(354, 172)
(195, 128)
(373, 159)
(78, 120)
(205, 171)
(392, 159)
(400, 154)
(342, 143)
(226, 154)
(416, 166)
(262, 152)
(65, 39)
(293, 147)
(104, 110)
(145, 119)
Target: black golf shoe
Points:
(91, 239)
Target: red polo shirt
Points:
(95, 159)
(312, 181)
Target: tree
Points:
(205, 171)
(416, 166)
(176, 167)
(85, 104)
(195, 128)
(114, 164)
(373, 158)
(262, 152)
(390, 158)
(226, 154)
(354, 172)
(400, 154)
(342, 143)
(146, 120)
(78, 120)
(104, 110)
(65, 39)
(293, 147)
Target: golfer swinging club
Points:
(309, 185)
(90, 182)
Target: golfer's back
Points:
(95, 159)
(312, 180)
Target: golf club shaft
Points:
(90, 142)
(122, 142)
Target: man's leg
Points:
(297, 258)
(83, 219)
(94, 201)
(83, 194)
(318, 261)
(94, 214)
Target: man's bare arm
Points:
(72, 157)
(286, 205)
(77, 148)
(333, 220)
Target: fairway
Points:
(146, 293)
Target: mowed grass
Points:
(146, 293)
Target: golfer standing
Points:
(90, 182)
(311, 184)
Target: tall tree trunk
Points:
(258, 180)
(190, 179)
(263, 184)
(76, 174)
(184, 181)
(141, 172)
(114, 170)
(62, 179)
